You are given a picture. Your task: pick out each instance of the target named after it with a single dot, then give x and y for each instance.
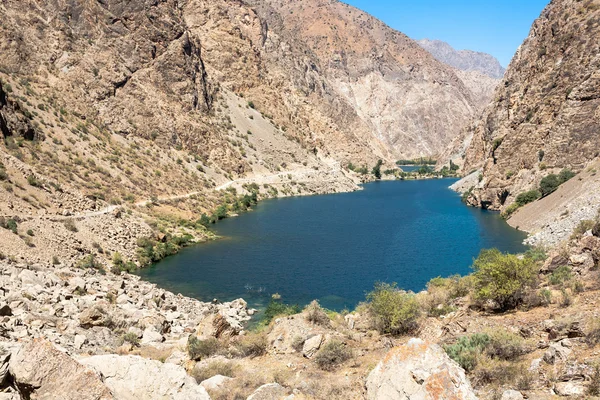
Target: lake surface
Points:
(335, 247)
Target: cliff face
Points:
(410, 101)
(464, 60)
(545, 115)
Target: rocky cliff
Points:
(545, 114)
(411, 102)
(464, 60)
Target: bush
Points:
(549, 184)
(394, 311)
(505, 345)
(199, 349)
(89, 261)
(316, 315)
(132, 338)
(216, 367)
(583, 226)
(332, 354)
(560, 275)
(527, 197)
(251, 345)
(467, 349)
(502, 278)
(30, 232)
(377, 169)
(11, 225)
(510, 210)
(277, 308)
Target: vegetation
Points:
(119, 265)
(417, 161)
(502, 278)
(467, 349)
(149, 250)
(332, 354)
(551, 182)
(376, 171)
(394, 311)
(251, 345)
(199, 349)
(213, 368)
(560, 275)
(316, 315)
(277, 308)
(527, 197)
(9, 224)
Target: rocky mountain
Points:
(396, 88)
(464, 60)
(545, 115)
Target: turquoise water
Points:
(334, 247)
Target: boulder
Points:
(270, 391)
(133, 377)
(557, 352)
(215, 382)
(43, 372)
(94, 316)
(152, 336)
(418, 370)
(512, 395)
(569, 389)
(312, 345)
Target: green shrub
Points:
(583, 226)
(527, 197)
(394, 311)
(536, 254)
(332, 354)
(560, 275)
(510, 210)
(502, 278)
(277, 308)
(505, 345)
(89, 261)
(467, 349)
(132, 338)
(11, 225)
(30, 232)
(199, 349)
(549, 184)
(377, 169)
(565, 175)
(33, 181)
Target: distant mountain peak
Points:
(465, 60)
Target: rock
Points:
(554, 261)
(5, 310)
(312, 345)
(40, 369)
(270, 391)
(596, 230)
(4, 365)
(29, 277)
(418, 370)
(569, 388)
(152, 336)
(133, 377)
(178, 358)
(583, 260)
(77, 282)
(512, 395)
(557, 352)
(95, 316)
(215, 382)
(79, 341)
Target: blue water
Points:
(335, 247)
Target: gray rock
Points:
(512, 395)
(270, 391)
(79, 341)
(418, 370)
(152, 336)
(215, 382)
(312, 345)
(556, 353)
(569, 388)
(133, 377)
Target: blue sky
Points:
(496, 27)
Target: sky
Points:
(496, 27)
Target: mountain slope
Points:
(464, 60)
(410, 101)
(546, 112)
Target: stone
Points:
(40, 368)
(512, 395)
(270, 391)
(418, 370)
(79, 341)
(94, 316)
(312, 345)
(152, 336)
(77, 282)
(134, 377)
(556, 353)
(215, 382)
(5, 310)
(569, 388)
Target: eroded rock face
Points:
(546, 112)
(41, 371)
(418, 370)
(133, 377)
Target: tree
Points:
(503, 278)
(395, 311)
(549, 184)
(377, 169)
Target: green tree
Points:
(395, 311)
(377, 169)
(503, 278)
(549, 184)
